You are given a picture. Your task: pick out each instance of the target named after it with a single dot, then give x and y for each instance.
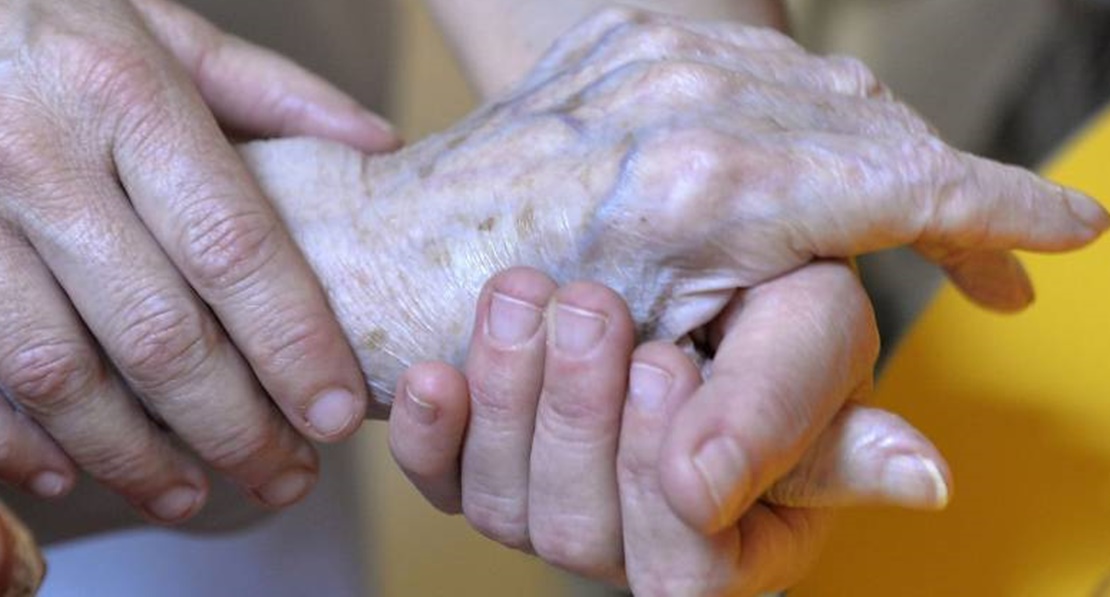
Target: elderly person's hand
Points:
(570, 470)
(678, 163)
(145, 281)
(673, 180)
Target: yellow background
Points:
(1020, 405)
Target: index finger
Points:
(793, 350)
(197, 198)
(881, 193)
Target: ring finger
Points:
(165, 344)
(49, 367)
(505, 373)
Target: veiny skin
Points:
(693, 168)
(673, 182)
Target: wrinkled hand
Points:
(556, 461)
(677, 163)
(140, 265)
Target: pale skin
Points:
(537, 518)
(142, 271)
(579, 174)
(610, 165)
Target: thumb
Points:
(21, 565)
(866, 456)
(258, 92)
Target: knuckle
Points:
(113, 70)
(118, 81)
(613, 16)
(125, 463)
(573, 547)
(225, 249)
(23, 154)
(854, 77)
(909, 120)
(767, 38)
(654, 41)
(674, 79)
(932, 175)
(636, 470)
(292, 340)
(581, 418)
(491, 401)
(499, 518)
(239, 445)
(689, 195)
(164, 341)
(48, 376)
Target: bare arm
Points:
(499, 40)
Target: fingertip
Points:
(660, 379)
(1088, 211)
(341, 119)
(51, 484)
(335, 414)
(434, 393)
(426, 429)
(867, 456)
(585, 319)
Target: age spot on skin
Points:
(455, 142)
(487, 224)
(376, 339)
(526, 222)
(427, 170)
(438, 255)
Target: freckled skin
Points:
(675, 181)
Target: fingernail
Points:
(332, 412)
(648, 386)
(578, 331)
(287, 488)
(512, 321)
(423, 411)
(723, 470)
(915, 482)
(1088, 210)
(174, 505)
(48, 484)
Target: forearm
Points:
(497, 41)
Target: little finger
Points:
(426, 429)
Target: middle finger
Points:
(573, 504)
(167, 347)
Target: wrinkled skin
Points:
(673, 181)
(564, 425)
(144, 278)
(692, 168)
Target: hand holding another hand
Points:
(697, 170)
(142, 272)
(557, 462)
